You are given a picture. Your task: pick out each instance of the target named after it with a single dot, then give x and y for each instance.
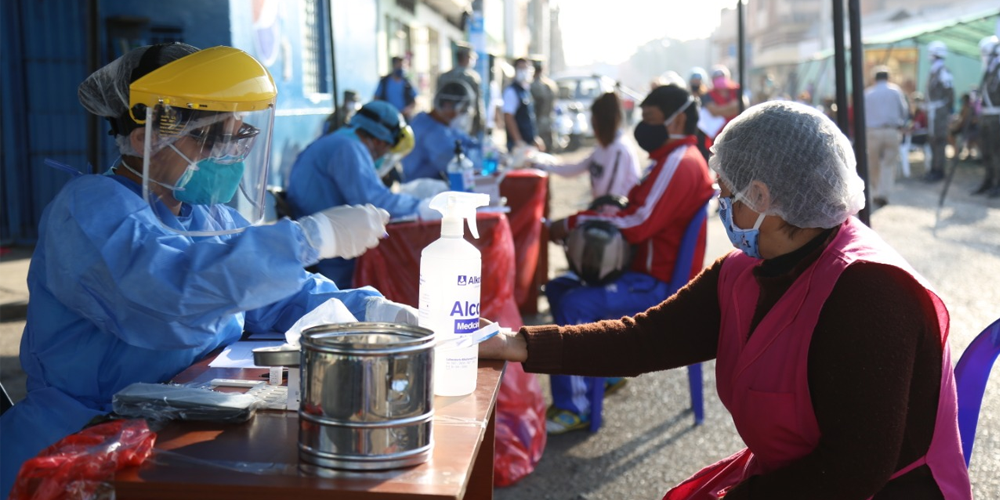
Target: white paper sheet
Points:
(240, 354)
(709, 123)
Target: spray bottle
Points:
(450, 279)
(461, 176)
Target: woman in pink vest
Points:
(831, 351)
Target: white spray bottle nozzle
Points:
(456, 207)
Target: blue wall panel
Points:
(355, 34)
(47, 121)
(44, 49)
(273, 33)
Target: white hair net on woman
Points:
(106, 91)
(801, 156)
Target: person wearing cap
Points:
(658, 211)
(342, 169)
(465, 72)
(886, 113)
(396, 89)
(143, 270)
(940, 101)
(831, 353)
(724, 98)
(698, 89)
(696, 82)
(341, 117)
(436, 133)
(543, 93)
(989, 119)
(519, 109)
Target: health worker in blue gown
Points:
(437, 131)
(341, 169)
(142, 271)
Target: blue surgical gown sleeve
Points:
(351, 167)
(281, 315)
(120, 268)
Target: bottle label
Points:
(456, 181)
(469, 178)
(450, 306)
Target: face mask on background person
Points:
(719, 82)
(745, 240)
(652, 137)
(398, 72)
(207, 181)
(374, 149)
(462, 123)
(521, 76)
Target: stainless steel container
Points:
(367, 398)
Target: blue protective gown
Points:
(116, 299)
(334, 170)
(434, 149)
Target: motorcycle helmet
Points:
(597, 252)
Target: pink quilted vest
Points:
(763, 380)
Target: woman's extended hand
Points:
(505, 346)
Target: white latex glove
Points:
(345, 231)
(381, 309)
(425, 212)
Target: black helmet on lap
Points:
(597, 252)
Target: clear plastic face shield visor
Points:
(216, 160)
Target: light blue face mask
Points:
(746, 240)
(207, 182)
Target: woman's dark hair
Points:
(606, 117)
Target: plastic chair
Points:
(678, 278)
(971, 374)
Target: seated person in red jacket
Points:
(831, 352)
(674, 188)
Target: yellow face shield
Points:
(207, 121)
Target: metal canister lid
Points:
(282, 355)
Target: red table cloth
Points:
(393, 267)
(526, 192)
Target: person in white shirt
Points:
(613, 165)
(886, 113)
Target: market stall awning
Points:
(961, 34)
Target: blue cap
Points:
(699, 72)
(380, 119)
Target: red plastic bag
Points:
(520, 427)
(77, 465)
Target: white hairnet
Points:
(106, 91)
(801, 156)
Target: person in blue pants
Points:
(654, 220)
(576, 305)
(142, 271)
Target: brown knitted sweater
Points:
(874, 371)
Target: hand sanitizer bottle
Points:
(461, 175)
(450, 279)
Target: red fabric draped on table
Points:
(393, 267)
(526, 192)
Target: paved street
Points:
(648, 442)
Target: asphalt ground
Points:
(648, 442)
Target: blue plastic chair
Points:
(678, 278)
(971, 374)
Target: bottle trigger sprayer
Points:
(450, 281)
